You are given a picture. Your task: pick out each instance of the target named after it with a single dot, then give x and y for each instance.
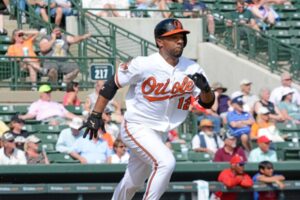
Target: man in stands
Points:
(46, 110)
(9, 154)
(230, 149)
(206, 140)
(263, 151)
(234, 176)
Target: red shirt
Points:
(222, 156)
(230, 180)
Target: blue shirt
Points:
(270, 194)
(235, 116)
(66, 140)
(257, 155)
(93, 152)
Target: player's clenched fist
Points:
(93, 124)
(200, 81)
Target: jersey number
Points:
(183, 103)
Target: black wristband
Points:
(96, 114)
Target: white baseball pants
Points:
(150, 158)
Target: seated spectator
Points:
(91, 151)
(229, 149)
(122, 4)
(234, 176)
(42, 10)
(240, 122)
(286, 82)
(206, 140)
(222, 101)
(33, 155)
(263, 151)
(153, 5)
(9, 154)
(263, 126)
(46, 110)
(66, 6)
(275, 114)
(3, 128)
(57, 46)
(23, 45)
(68, 136)
(289, 110)
(266, 175)
(20, 142)
(96, 4)
(71, 96)
(110, 127)
(120, 154)
(16, 127)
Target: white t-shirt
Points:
(276, 95)
(210, 142)
(159, 94)
(116, 159)
(17, 158)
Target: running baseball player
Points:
(159, 96)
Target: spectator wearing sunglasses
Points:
(120, 154)
(234, 176)
(266, 175)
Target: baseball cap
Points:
(33, 139)
(218, 85)
(237, 159)
(76, 123)
(16, 119)
(263, 110)
(245, 82)
(238, 100)
(228, 135)
(206, 122)
(45, 88)
(286, 91)
(108, 109)
(263, 139)
(8, 136)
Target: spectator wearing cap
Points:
(32, 151)
(234, 176)
(266, 175)
(9, 154)
(16, 126)
(110, 126)
(206, 140)
(263, 126)
(289, 110)
(275, 114)
(286, 82)
(229, 149)
(71, 96)
(46, 110)
(93, 151)
(263, 151)
(240, 122)
(222, 101)
(68, 136)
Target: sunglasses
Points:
(122, 146)
(241, 164)
(20, 34)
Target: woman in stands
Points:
(289, 110)
(71, 96)
(120, 153)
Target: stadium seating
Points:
(61, 158)
(199, 156)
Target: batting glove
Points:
(93, 124)
(200, 81)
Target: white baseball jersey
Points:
(159, 94)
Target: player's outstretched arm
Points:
(207, 96)
(95, 121)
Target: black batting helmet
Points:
(169, 27)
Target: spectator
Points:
(41, 9)
(91, 151)
(120, 154)
(9, 154)
(263, 126)
(289, 110)
(266, 175)
(71, 96)
(33, 155)
(65, 5)
(122, 4)
(191, 6)
(2, 11)
(234, 176)
(23, 45)
(240, 122)
(68, 136)
(102, 5)
(222, 100)
(153, 5)
(263, 151)
(275, 114)
(206, 140)
(16, 127)
(229, 149)
(46, 110)
(112, 130)
(286, 82)
(20, 141)
(3, 128)
(57, 46)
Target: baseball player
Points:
(161, 86)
